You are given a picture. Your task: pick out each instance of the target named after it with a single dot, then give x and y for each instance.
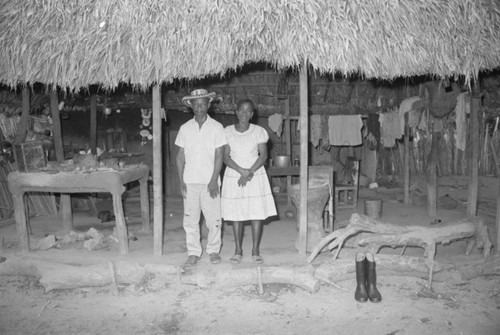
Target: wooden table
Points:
(108, 181)
(288, 171)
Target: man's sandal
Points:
(236, 259)
(192, 260)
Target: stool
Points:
(346, 195)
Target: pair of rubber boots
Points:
(366, 279)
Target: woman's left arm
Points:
(262, 147)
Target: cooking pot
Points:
(282, 161)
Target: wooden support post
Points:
(497, 166)
(157, 173)
(93, 124)
(498, 210)
(25, 116)
(65, 205)
(432, 173)
(121, 225)
(407, 161)
(146, 224)
(474, 159)
(303, 159)
(21, 223)
(288, 148)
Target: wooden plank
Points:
(275, 171)
(93, 123)
(157, 173)
(65, 204)
(474, 152)
(25, 115)
(407, 161)
(303, 160)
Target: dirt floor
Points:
(151, 307)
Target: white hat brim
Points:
(187, 99)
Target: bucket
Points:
(373, 208)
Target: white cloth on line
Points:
(275, 122)
(345, 130)
(405, 107)
(316, 128)
(390, 128)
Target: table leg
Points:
(146, 224)
(67, 213)
(21, 224)
(121, 225)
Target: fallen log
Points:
(298, 276)
(64, 276)
(488, 267)
(54, 276)
(387, 234)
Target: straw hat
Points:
(198, 94)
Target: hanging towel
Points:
(275, 122)
(462, 108)
(405, 107)
(316, 128)
(345, 130)
(325, 137)
(390, 124)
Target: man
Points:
(199, 161)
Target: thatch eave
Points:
(76, 43)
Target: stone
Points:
(94, 244)
(46, 242)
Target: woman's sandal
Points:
(236, 259)
(258, 259)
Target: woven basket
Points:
(373, 208)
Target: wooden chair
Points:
(346, 195)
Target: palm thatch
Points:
(74, 43)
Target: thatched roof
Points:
(74, 43)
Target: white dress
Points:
(254, 201)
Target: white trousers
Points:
(198, 200)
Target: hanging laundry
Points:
(315, 129)
(373, 126)
(390, 124)
(462, 108)
(325, 137)
(275, 122)
(406, 106)
(422, 125)
(345, 130)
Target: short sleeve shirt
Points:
(199, 148)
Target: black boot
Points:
(361, 294)
(371, 279)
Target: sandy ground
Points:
(408, 307)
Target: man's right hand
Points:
(183, 189)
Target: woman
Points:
(246, 193)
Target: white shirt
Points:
(199, 148)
